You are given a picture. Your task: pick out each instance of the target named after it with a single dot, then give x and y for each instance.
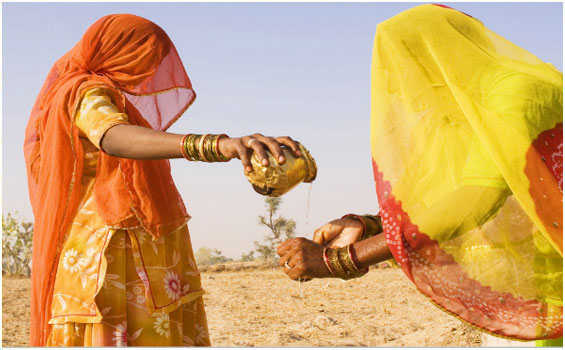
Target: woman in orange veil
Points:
(112, 258)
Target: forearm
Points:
(137, 142)
(372, 250)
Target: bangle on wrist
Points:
(201, 147)
(327, 262)
(204, 148)
(340, 262)
(337, 267)
(217, 148)
(353, 258)
(191, 146)
(373, 226)
(183, 147)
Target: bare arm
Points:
(137, 142)
(372, 251)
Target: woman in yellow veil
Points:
(467, 142)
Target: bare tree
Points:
(280, 228)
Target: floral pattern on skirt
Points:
(126, 320)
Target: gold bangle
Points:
(191, 146)
(372, 226)
(186, 149)
(337, 268)
(343, 256)
(210, 148)
(340, 263)
(347, 262)
(201, 147)
(183, 148)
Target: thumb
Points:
(326, 233)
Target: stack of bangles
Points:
(203, 148)
(341, 262)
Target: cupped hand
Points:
(339, 233)
(305, 259)
(243, 147)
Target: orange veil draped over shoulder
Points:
(137, 63)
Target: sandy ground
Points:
(262, 307)
(251, 308)
(15, 311)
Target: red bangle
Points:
(182, 150)
(353, 258)
(327, 262)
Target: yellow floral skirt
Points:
(126, 321)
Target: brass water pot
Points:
(277, 179)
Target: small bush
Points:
(248, 257)
(277, 227)
(17, 238)
(206, 256)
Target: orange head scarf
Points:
(136, 61)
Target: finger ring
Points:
(287, 265)
(250, 142)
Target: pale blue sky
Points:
(298, 69)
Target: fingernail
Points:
(265, 162)
(248, 169)
(281, 159)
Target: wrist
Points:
(224, 147)
(358, 218)
(355, 261)
(340, 262)
(373, 225)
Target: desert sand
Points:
(252, 306)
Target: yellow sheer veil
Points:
(466, 138)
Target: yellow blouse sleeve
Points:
(97, 114)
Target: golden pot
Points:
(277, 179)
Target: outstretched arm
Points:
(137, 142)
(108, 129)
